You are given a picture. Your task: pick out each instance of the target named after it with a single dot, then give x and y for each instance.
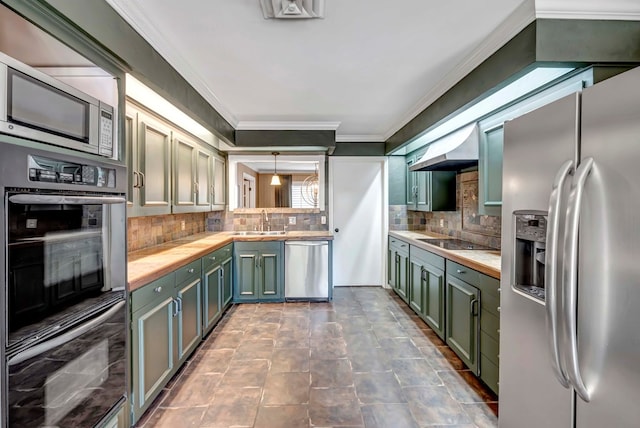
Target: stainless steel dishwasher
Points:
(306, 270)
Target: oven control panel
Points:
(58, 171)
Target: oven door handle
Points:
(28, 199)
(66, 337)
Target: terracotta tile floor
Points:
(363, 360)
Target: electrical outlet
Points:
(323, 219)
(292, 220)
(441, 222)
(183, 225)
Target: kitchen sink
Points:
(255, 232)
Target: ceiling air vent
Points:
(292, 9)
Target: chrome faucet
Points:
(264, 219)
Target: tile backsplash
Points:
(464, 223)
(143, 232)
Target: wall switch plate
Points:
(183, 226)
(441, 222)
(323, 219)
(292, 220)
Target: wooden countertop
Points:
(149, 264)
(485, 261)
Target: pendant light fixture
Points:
(275, 180)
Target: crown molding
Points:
(363, 138)
(609, 10)
(248, 125)
(134, 17)
(510, 27)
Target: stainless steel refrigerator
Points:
(570, 290)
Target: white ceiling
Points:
(367, 68)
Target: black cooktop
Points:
(455, 244)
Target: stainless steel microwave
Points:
(39, 107)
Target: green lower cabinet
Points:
(462, 333)
(427, 279)
(166, 327)
(152, 345)
(189, 299)
(434, 307)
(227, 281)
(212, 299)
(399, 268)
(259, 268)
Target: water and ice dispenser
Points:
(531, 230)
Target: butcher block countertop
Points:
(149, 264)
(485, 261)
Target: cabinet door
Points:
(152, 350)
(131, 143)
(490, 171)
(417, 287)
(184, 173)
(154, 154)
(270, 274)
(227, 281)
(392, 262)
(246, 279)
(412, 186)
(219, 182)
(213, 283)
(204, 180)
(433, 309)
(403, 276)
(189, 322)
(462, 321)
(423, 193)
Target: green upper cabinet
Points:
(219, 183)
(259, 268)
(429, 191)
(148, 158)
(490, 170)
(492, 137)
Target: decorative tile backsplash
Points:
(464, 223)
(143, 232)
(278, 219)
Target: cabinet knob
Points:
(157, 289)
(498, 308)
(212, 258)
(499, 289)
(190, 270)
(461, 271)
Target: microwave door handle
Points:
(551, 270)
(66, 337)
(570, 276)
(29, 199)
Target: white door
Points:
(358, 219)
(248, 191)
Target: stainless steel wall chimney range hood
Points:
(452, 152)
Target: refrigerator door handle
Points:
(570, 276)
(551, 270)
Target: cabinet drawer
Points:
(189, 272)
(215, 258)
(489, 347)
(490, 323)
(153, 292)
(485, 283)
(400, 247)
(489, 373)
(427, 257)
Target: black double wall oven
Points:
(63, 288)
